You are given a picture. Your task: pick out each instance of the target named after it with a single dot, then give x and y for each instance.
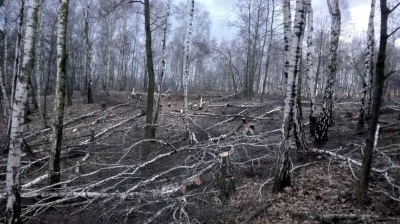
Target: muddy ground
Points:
(179, 181)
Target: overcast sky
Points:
(220, 11)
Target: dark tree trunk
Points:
(379, 82)
(149, 132)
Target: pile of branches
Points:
(99, 173)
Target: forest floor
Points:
(104, 179)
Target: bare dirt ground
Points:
(105, 181)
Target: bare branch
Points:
(394, 31)
(394, 8)
(390, 73)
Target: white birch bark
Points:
(17, 50)
(365, 110)
(287, 32)
(3, 73)
(13, 207)
(310, 66)
(38, 62)
(325, 119)
(282, 176)
(186, 67)
(54, 163)
(163, 62)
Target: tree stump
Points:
(103, 106)
(226, 177)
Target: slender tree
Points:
(54, 164)
(38, 63)
(271, 30)
(378, 86)
(310, 67)
(282, 175)
(17, 50)
(287, 34)
(16, 67)
(13, 207)
(88, 52)
(6, 102)
(149, 132)
(368, 70)
(163, 62)
(325, 119)
(186, 70)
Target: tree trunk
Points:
(149, 133)
(88, 55)
(379, 81)
(232, 73)
(268, 51)
(161, 75)
(368, 70)
(6, 102)
(325, 119)
(301, 143)
(38, 63)
(282, 175)
(54, 163)
(186, 66)
(13, 207)
(311, 80)
(287, 32)
(15, 69)
(17, 50)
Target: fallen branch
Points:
(69, 150)
(239, 105)
(256, 213)
(41, 132)
(225, 97)
(221, 137)
(338, 217)
(278, 109)
(229, 119)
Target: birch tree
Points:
(186, 70)
(6, 102)
(325, 119)
(282, 175)
(287, 34)
(54, 163)
(13, 207)
(38, 62)
(368, 70)
(15, 68)
(311, 80)
(163, 62)
(88, 49)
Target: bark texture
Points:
(186, 70)
(163, 62)
(13, 207)
(54, 163)
(282, 175)
(149, 132)
(365, 110)
(88, 55)
(379, 81)
(325, 119)
(3, 73)
(310, 67)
